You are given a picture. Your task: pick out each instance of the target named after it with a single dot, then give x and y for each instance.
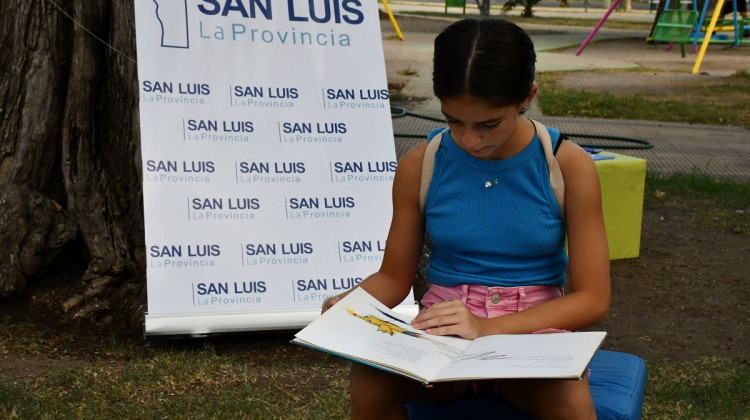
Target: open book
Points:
(364, 330)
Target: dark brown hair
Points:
(491, 59)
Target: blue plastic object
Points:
(617, 382)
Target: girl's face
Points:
(482, 130)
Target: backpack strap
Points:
(555, 175)
(428, 166)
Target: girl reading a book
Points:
(498, 261)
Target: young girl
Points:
(498, 260)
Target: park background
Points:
(71, 344)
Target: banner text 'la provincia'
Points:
(305, 12)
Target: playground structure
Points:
(687, 27)
(393, 20)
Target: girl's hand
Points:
(329, 302)
(449, 318)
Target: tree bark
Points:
(34, 233)
(484, 7)
(528, 8)
(70, 133)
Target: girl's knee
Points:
(378, 394)
(574, 401)
(375, 392)
(552, 399)
(368, 380)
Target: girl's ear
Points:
(530, 97)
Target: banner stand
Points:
(267, 157)
(237, 322)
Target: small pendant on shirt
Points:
(490, 184)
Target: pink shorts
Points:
(489, 302)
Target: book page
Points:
(362, 328)
(557, 355)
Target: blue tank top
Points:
(494, 223)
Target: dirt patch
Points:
(660, 72)
(686, 296)
(26, 369)
(719, 59)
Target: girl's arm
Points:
(588, 270)
(391, 284)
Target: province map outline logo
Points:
(173, 19)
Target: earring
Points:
(524, 109)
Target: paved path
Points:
(721, 151)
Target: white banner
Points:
(268, 158)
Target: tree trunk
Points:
(625, 6)
(70, 135)
(484, 7)
(528, 8)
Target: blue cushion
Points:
(617, 383)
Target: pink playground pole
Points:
(598, 25)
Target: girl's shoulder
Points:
(577, 167)
(432, 134)
(410, 164)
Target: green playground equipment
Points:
(688, 26)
